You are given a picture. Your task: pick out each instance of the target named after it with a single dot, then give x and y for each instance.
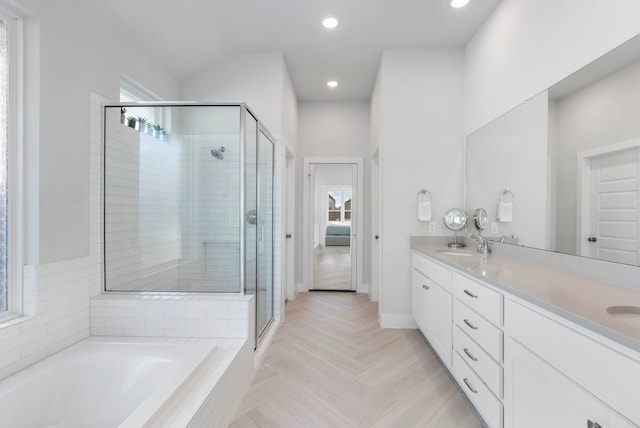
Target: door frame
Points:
(583, 205)
(289, 226)
(307, 230)
(376, 227)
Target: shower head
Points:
(218, 153)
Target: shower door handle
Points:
(252, 217)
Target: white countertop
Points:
(577, 299)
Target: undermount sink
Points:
(455, 253)
(627, 314)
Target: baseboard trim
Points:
(397, 321)
(364, 288)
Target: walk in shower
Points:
(188, 201)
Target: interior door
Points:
(613, 214)
(332, 251)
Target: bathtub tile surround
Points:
(60, 317)
(171, 316)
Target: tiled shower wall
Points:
(143, 198)
(172, 211)
(211, 209)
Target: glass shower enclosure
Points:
(188, 201)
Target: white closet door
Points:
(614, 223)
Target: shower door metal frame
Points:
(103, 232)
(261, 129)
(244, 110)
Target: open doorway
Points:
(332, 225)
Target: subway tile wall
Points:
(171, 316)
(211, 210)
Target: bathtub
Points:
(101, 382)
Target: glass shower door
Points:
(264, 297)
(250, 206)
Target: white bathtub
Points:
(99, 382)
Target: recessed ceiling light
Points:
(459, 3)
(330, 22)
(332, 83)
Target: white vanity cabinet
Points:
(432, 304)
(560, 375)
(520, 364)
(478, 346)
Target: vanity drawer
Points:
(481, 362)
(484, 401)
(432, 270)
(485, 334)
(480, 298)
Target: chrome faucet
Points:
(483, 245)
(503, 237)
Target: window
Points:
(10, 167)
(4, 98)
(133, 92)
(339, 205)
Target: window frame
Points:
(139, 94)
(15, 163)
(334, 189)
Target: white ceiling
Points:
(186, 36)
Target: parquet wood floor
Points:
(331, 365)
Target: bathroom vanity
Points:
(529, 345)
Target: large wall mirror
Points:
(563, 167)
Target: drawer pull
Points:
(469, 354)
(471, 326)
(591, 424)
(470, 294)
(466, 381)
(426, 287)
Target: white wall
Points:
(528, 45)
(258, 79)
(420, 100)
(334, 129)
(603, 113)
(511, 153)
(82, 55)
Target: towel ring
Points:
(506, 196)
(424, 196)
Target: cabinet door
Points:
(420, 301)
(440, 325)
(537, 395)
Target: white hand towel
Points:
(505, 212)
(424, 211)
